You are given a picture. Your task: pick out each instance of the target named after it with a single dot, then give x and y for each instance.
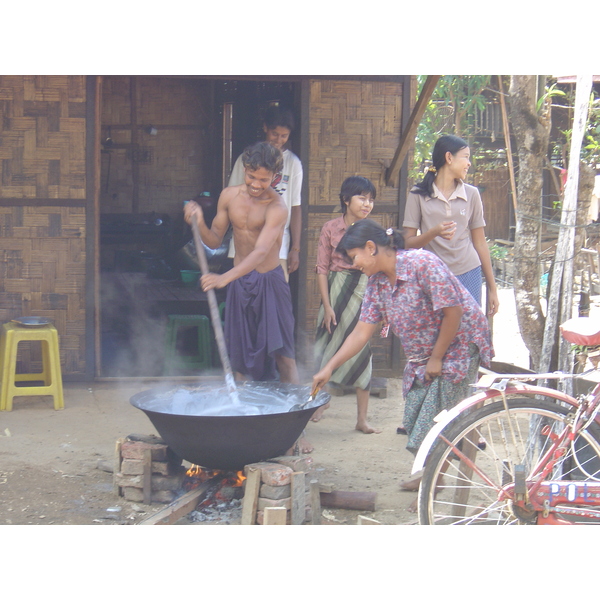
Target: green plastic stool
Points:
(174, 360)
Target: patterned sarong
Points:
(346, 291)
(425, 401)
(259, 323)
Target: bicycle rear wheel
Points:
(452, 493)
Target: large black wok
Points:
(229, 442)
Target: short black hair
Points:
(355, 186)
(263, 155)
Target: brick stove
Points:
(278, 491)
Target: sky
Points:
(311, 37)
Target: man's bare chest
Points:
(249, 216)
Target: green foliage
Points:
(590, 152)
(497, 252)
(591, 148)
(450, 109)
(550, 92)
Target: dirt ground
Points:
(49, 460)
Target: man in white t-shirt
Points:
(278, 125)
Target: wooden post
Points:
(509, 157)
(147, 476)
(298, 498)
(251, 496)
(408, 134)
(562, 272)
(117, 467)
(315, 502)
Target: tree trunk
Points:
(585, 190)
(531, 132)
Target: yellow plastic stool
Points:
(12, 334)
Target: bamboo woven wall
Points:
(144, 172)
(42, 214)
(354, 130)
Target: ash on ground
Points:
(225, 512)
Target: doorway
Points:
(164, 140)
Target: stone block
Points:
(272, 473)
(275, 492)
(264, 502)
(133, 466)
(136, 450)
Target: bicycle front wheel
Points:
(496, 441)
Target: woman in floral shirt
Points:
(444, 333)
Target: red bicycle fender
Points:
(447, 416)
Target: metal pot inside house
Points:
(201, 426)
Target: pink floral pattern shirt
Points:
(413, 309)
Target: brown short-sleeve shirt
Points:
(327, 257)
(465, 208)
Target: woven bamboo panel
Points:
(42, 273)
(42, 249)
(42, 136)
(160, 170)
(354, 130)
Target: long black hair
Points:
(355, 186)
(447, 143)
(358, 234)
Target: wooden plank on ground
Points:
(251, 496)
(178, 508)
(362, 520)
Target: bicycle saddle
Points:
(582, 331)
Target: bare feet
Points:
(304, 446)
(414, 505)
(318, 414)
(366, 428)
(412, 485)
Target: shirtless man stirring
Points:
(259, 322)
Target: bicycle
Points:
(516, 453)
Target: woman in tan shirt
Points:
(445, 215)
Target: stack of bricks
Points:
(278, 486)
(146, 470)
